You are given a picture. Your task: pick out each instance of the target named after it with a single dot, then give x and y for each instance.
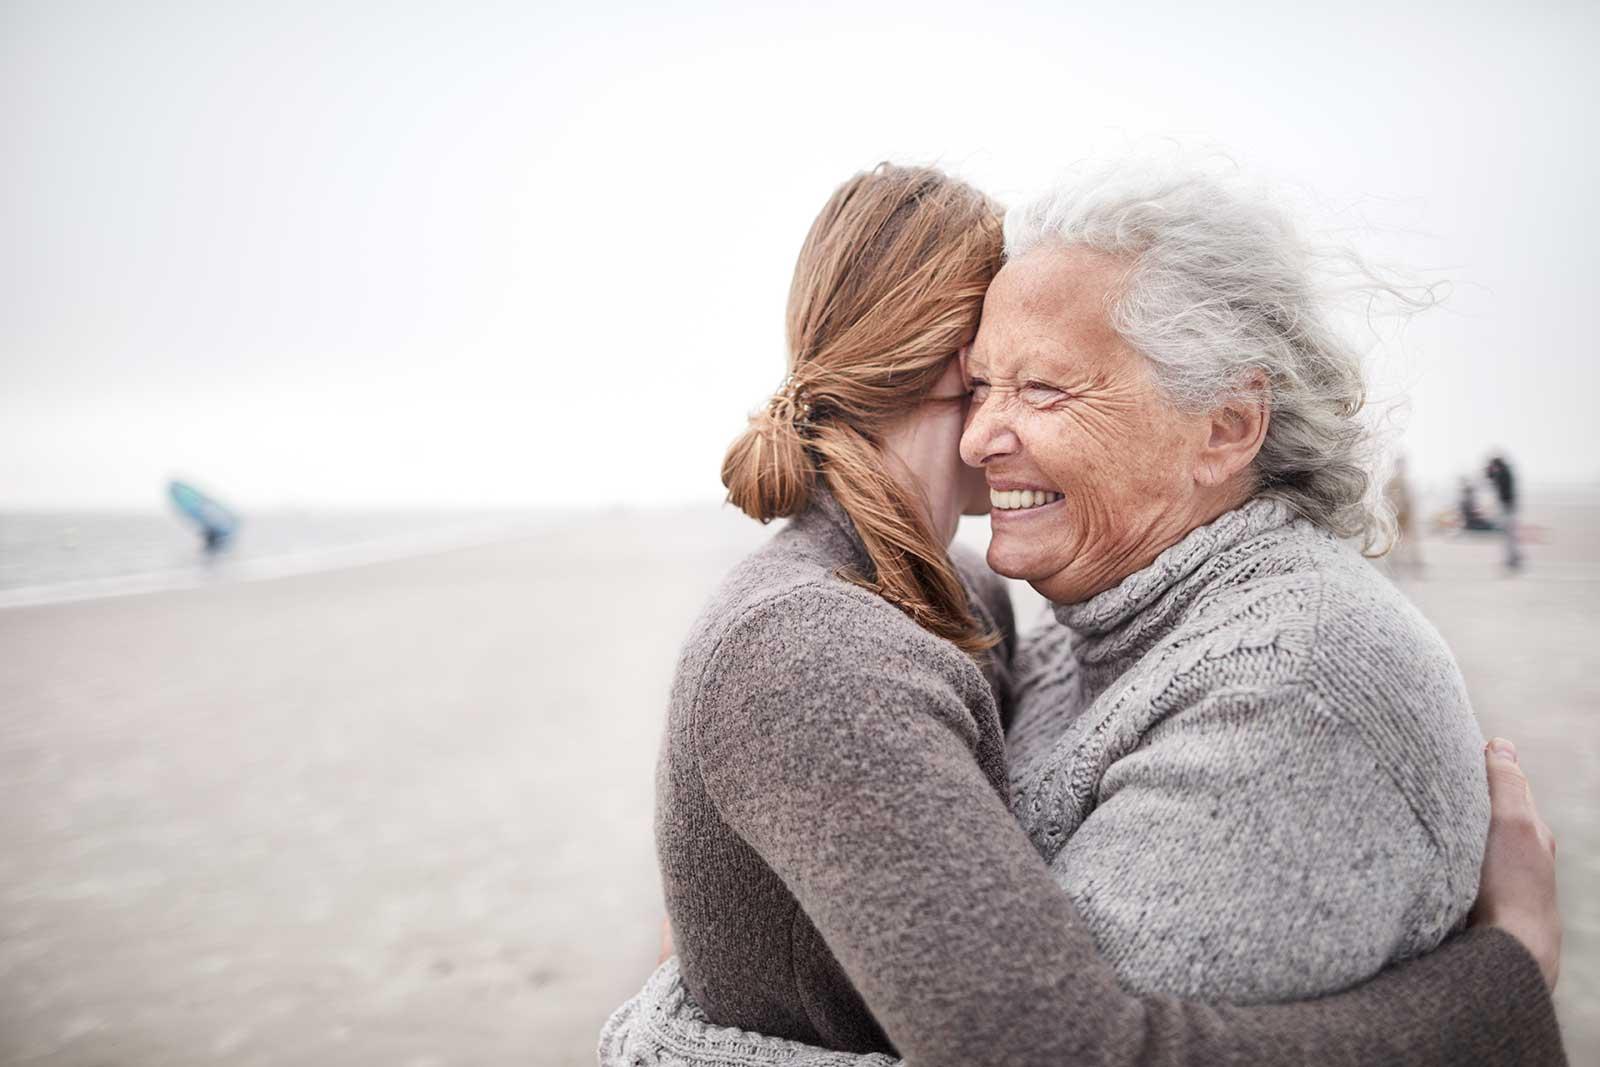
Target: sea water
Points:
(49, 557)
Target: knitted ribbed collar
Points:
(1122, 604)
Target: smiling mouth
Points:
(1021, 499)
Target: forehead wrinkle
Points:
(1043, 353)
(1050, 310)
(1052, 351)
(1011, 345)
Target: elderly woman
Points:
(1268, 785)
(1250, 766)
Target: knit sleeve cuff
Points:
(1523, 1004)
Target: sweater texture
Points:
(1479, 999)
(842, 870)
(1269, 783)
(812, 729)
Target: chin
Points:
(1056, 590)
(1010, 558)
(1004, 560)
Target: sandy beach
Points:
(399, 814)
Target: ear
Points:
(1237, 428)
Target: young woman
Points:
(839, 862)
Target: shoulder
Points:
(1326, 612)
(792, 629)
(778, 608)
(1331, 623)
(1378, 664)
(1376, 661)
(1254, 624)
(803, 677)
(1313, 616)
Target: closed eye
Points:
(1042, 391)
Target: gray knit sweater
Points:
(1275, 785)
(841, 868)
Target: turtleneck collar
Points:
(1131, 615)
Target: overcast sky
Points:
(369, 254)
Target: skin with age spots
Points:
(1061, 403)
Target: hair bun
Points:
(768, 471)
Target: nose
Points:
(988, 434)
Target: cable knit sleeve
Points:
(1251, 849)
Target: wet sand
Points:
(400, 814)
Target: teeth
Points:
(1021, 499)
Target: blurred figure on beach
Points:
(1505, 487)
(1407, 552)
(1471, 517)
(215, 522)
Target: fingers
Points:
(1508, 786)
(1510, 795)
(1517, 886)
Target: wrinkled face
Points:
(1092, 471)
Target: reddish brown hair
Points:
(889, 284)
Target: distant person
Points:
(1472, 517)
(1505, 487)
(215, 522)
(1407, 551)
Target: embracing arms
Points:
(900, 851)
(1252, 849)
(1480, 998)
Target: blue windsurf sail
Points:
(216, 523)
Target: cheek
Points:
(1110, 475)
(1068, 452)
(953, 478)
(945, 424)
(1126, 453)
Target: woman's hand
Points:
(1517, 890)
